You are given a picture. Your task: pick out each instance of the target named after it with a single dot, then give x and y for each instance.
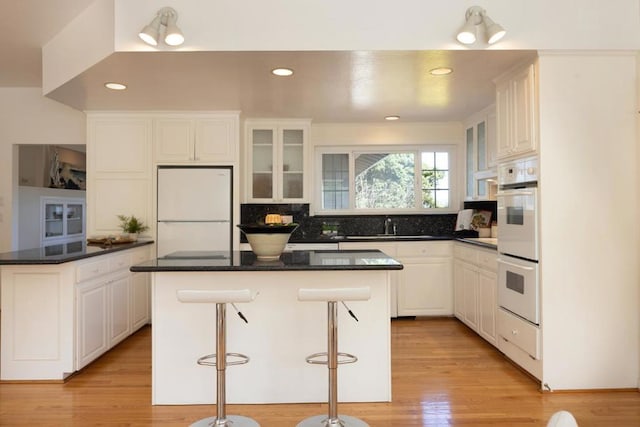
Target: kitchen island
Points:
(281, 331)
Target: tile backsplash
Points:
(311, 227)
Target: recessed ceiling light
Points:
(282, 72)
(441, 71)
(115, 86)
(392, 118)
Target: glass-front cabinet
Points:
(276, 160)
(480, 161)
(63, 219)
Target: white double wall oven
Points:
(518, 276)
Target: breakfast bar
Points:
(281, 331)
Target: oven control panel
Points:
(518, 171)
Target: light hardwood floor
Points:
(443, 375)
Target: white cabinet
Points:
(62, 219)
(111, 302)
(91, 309)
(481, 152)
(475, 289)
(206, 138)
(390, 249)
(119, 309)
(425, 284)
(140, 293)
(119, 170)
(516, 112)
(276, 161)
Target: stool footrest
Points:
(210, 359)
(346, 358)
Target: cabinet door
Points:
(425, 288)
(215, 140)
(119, 310)
(92, 341)
(470, 279)
(523, 111)
(492, 149)
(292, 174)
(503, 117)
(140, 300)
(263, 161)
(53, 222)
(173, 140)
(487, 304)
(458, 289)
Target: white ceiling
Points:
(328, 86)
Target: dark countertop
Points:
(65, 252)
(490, 243)
(485, 242)
(313, 260)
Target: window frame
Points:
(353, 150)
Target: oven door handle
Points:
(511, 264)
(514, 193)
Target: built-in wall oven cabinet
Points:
(518, 223)
(518, 283)
(517, 209)
(518, 290)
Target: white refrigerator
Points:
(194, 209)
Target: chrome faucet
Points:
(388, 226)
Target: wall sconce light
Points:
(475, 16)
(164, 22)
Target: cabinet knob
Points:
(515, 332)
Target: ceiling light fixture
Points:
(475, 16)
(392, 118)
(282, 72)
(164, 22)
(115, 86)
(441, 71)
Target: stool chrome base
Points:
(231, 421)
(323, 421)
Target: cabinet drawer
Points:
(488, 260)
(466, 253)
(92, 269)
(520, 333)
(119, 262)
(424, 249)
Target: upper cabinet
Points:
(208, 138)
(480, 139)
(63, 219)
(276, 161)
(517, 112)
(118, 169)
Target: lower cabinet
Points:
(475, 289)
(92, 311)
(110, 305)
(424, 286)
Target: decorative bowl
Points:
(267, 241)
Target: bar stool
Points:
(333, 357)
(219, 359)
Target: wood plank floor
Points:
(443, 375)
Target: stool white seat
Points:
(332, 296)
(219, 359)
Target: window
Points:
(405, 179)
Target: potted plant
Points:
(132, 225)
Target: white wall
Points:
(26, 117)
(589, 222)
